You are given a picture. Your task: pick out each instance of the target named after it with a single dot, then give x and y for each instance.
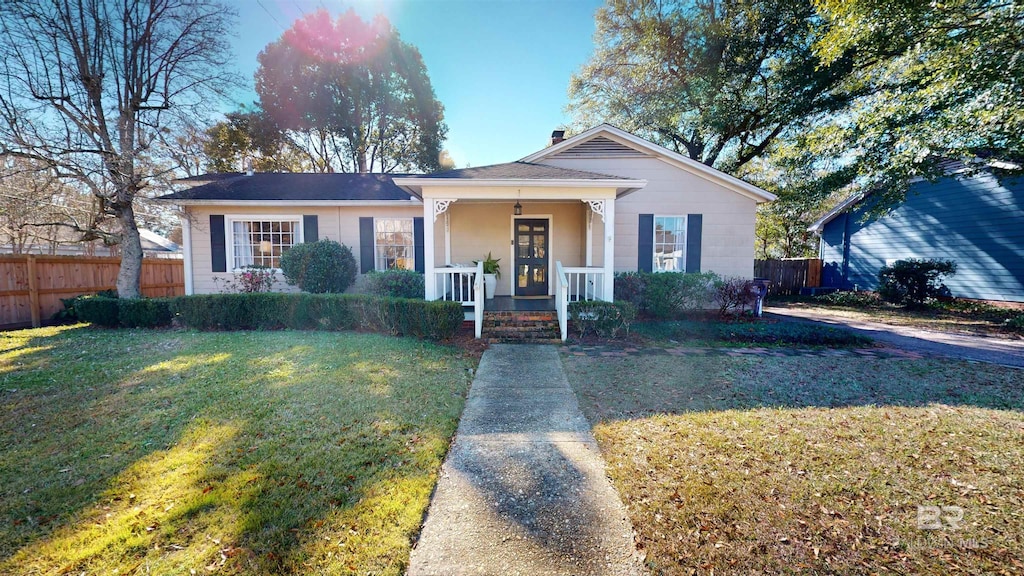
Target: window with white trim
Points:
(261, 242)
(394, 244)
(669, 244)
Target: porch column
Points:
(429, 229)
(590, 238)
(609, 249)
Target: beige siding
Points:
(481, 227)
(727, 245)
(340, 224)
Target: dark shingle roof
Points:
(520, 171)
(291, 186)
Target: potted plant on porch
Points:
(492, 271)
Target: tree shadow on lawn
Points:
(768, 465)
(246, 453)
(636, 387)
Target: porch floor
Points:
(510, 304)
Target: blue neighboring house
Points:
(975, 220)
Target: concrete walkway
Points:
(524, 490)
(959, 346)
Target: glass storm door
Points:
(531, 257)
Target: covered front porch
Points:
(550, 252)
(552, 231)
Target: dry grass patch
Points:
(812, 465)
(959, 317)
(219, 453)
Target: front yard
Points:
(750, 463)
(231, 453)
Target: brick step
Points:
(512, 331)
(523, 325)
(521, 316)
(522, 340)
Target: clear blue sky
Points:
(501, 68)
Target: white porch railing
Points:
(573, 284)
(465, 285)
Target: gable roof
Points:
(512, 174)
(947, 166)
(289, 187)
(520, 171)
(608, 141)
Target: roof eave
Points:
(237, 202)
(818, 225)
(415, 186)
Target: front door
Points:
(531, 257)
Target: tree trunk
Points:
(129, 277)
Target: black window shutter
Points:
(694, 230)
(309, 228)
(218, 253)
(365, 245)
(417, 233)
(645, 244)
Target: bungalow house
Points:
(976, 220)
(562, 220)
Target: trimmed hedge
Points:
(395, 283)
(126, 313)
(602, 318)
(99, 310)
(437, 320)
(144, 312)
(667, 295)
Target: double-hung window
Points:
(394, 244)
(669, 244)
(260, 242)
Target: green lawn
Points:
(744, 465)
(172, 452)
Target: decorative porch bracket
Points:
(596, 206)
(440, 207)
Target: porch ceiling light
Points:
(517, 209)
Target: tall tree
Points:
(352, 95)
(251, 135)
(945, 82)
(718, 81)
(87, 86)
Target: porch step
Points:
(533, 327)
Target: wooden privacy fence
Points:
(31, 286)
(789, 275)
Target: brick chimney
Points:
(557, 136)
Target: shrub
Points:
(850, 299)
(605, 319)
(1016, 323)
(667, 295)
(319, 267)
(99, 310)
(912, 282)
(395, 283)
(437, 320)
(735, 295)
(250, 279)
(632, 287)
(144, 312)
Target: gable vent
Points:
(599, 147)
